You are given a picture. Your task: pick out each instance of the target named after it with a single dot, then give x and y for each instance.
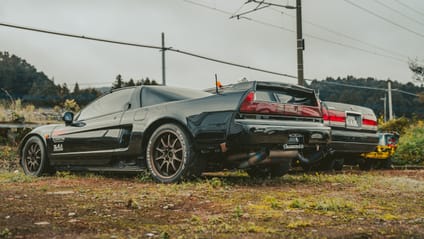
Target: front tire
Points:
(34, 159)
(169, 154)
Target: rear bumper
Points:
(248, 133)
(344, 141)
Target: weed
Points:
(298, 224)
(335, 205)
(5, 233)
(164, 235)
(272, 202)
(16, 178)
(195, 220)
(8, 158)
(132, 204)
(388, 217)
(65, 174)
(215, 220)
(144, 176)
(238, 211)
(298, 203)
(216, 182)
(253, 228)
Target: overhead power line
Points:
(352, 86)
(78, 36)
(366, 87)
(341, 34)
(399, 12)
(384, 18)
(146, 46)
(345, 45)
(409, 7)
(405, 92)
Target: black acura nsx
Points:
(177, 133)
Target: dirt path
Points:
(380, 204)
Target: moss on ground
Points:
(226, 205)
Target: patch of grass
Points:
(388, 217)
(319, 178)
(238, 211)
(299, 224)
(216, 182)
(144, 176)
(299, 203)
(66, 175)
(9, 158)
(251, 227)
(273, 202)
(334, 204)
(16, 177)
(324, 205)
(5, 233)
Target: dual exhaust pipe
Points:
(265, 156)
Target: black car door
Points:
(95, 134)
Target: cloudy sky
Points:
(341, 39)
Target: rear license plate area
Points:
(353, 121)
(295, 141)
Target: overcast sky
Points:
(211, 33)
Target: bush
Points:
(410, 148)
(71, 105)
(395, 125)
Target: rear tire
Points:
(170, 156)
(327, 164)
(338, 164)
(34, 158)
(366, 165)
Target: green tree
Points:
(118, 82)
(417, 69)
(18, 77)
(64, 90)
(130, 83)
(76, 88)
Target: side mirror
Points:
(68, 117)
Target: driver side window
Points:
(108, 104)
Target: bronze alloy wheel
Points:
(169, 153)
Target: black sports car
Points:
(176, 133)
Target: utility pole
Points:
(299, 35)
(385, 107)
(163, 59)
(300, 43)
(389, 92)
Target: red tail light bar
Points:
(251, 106)
(338, 118)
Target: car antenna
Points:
(218, 84)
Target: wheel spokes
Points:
(33, 158)
(167, 154)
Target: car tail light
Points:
(325, 115)
(337, 117)
(369, 122)
(251, 106)
(247, 106)
(334, 117)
